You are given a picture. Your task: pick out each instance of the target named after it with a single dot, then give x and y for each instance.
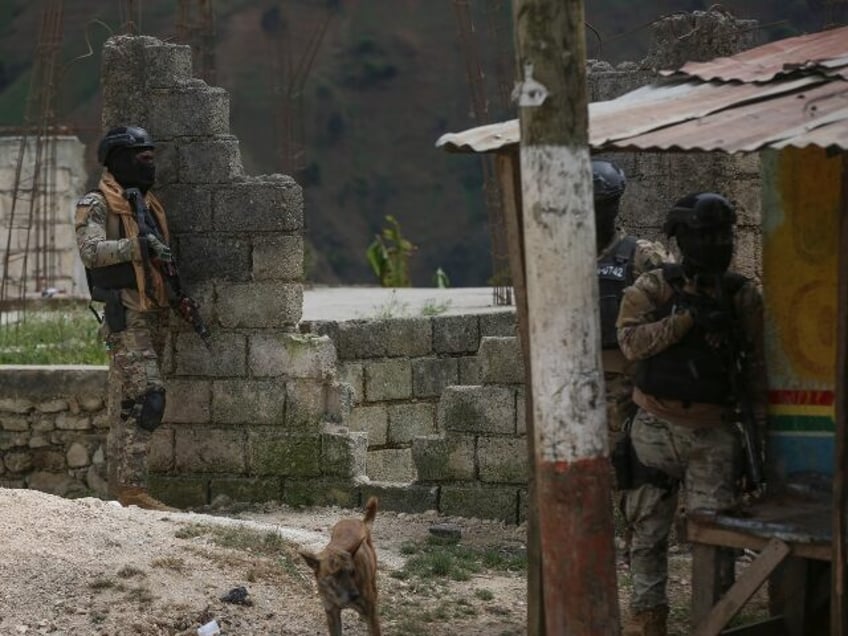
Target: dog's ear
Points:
(311, 560)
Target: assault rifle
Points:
(742, 414)
(184, 305)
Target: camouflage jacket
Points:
(641, 336)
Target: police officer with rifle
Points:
(694, 331)
(122, 235)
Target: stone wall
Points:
(38, 219)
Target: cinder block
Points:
(444, 458)
(339, 402)
(402, 497)
(166, 64)
(291, 354)
(189, 207)
(188, 401)
(180, 492)
(358, 339)
(211, 161)
(469, 370)
(305, 404)
(502, 460)
(407, 421)
(272, 452)
(189, 109)
(344, 454)
(456, 334)
(372, 420)
(247, 402)
(430, 376)
(258, 305)
(353, 374)
(246, 489)
(226, 358)
(489, 410)
(501, 361)
(161, 456)
(227, 260)
(259, 204)
(388, 380)
(391, 465)
(520, 412)
(209, 450)
(501, 323)
(479, 502)
(278, 257)
(320, 492)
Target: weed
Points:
(388, 255)
(393, 308)
(101, 583)
(170, 563)
(433, 308)
(483, 594)
(129, 571)
(141, 595)
(438, 558)
(52, 337)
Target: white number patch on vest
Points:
(611, 270)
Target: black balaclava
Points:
(606, 212)
(707, 252)
(124, 165)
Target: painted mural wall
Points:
(801, 208)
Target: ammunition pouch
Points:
(114, 313)
(630, 473)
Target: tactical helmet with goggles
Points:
(699, 211)
(608, 180)
(123, 137)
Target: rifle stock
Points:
(184, 305)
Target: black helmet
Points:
(123, 137)
(608, 180)
(700, 211)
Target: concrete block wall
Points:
(397, 370)
(258, 415)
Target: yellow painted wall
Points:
(801, 201)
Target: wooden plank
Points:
(741, 591)
(772, 626)
(839, 582)
(712, 576)
(509, 178)
(711, 535)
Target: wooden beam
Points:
(839, 582)
(744, 588)
(710, 535)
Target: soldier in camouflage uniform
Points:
(621, 260)
(675, 323)
(120, 273)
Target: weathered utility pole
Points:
(573, 474)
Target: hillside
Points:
(387, 80)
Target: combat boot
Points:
(650, 622)
(137, 496)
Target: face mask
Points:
(129, 171)
(606, 213)
(706, 252)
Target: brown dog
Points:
(346, 571)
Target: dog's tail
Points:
(370, 511)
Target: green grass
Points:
(68, 336)
(438, 558)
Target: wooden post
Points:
(839, 580)
(509, 178)
(573, 475)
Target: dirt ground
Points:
(88, 566)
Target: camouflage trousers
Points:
(704, 461)
(134, 356)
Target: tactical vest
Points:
(121, 223)
(690, 370)
(615, 272)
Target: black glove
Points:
(711, 319)
(158, 249)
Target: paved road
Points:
(349, 303)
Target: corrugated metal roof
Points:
(825, 52)
(772, 109)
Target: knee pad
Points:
(151, 408)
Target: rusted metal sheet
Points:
(825, 52)
(793, 92)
